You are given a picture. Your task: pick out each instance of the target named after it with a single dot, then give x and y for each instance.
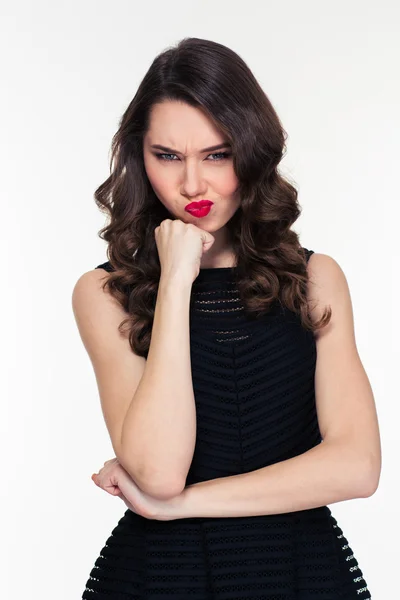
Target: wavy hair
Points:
(271, 263)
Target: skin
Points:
(189, 175)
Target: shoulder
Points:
(97, 312)
(89, 284)
(106, 266)
(328, 287)
(324, 269)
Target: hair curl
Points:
(271, 263)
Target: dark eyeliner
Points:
(160, 156)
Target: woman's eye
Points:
(162, 156)
(222, 156)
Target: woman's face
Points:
(182, 171)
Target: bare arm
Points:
(331, 472)
(159, 429)
(347, 464)
(148, 405)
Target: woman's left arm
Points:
(347, 463)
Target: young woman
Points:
(224, 352)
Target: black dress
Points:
(255, 403)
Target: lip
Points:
(200, 212)
(197, 205)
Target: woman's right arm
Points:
(148, 405)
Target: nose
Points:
(193, 183)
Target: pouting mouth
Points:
(200, 204)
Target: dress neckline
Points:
(215, 274)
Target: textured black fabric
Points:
(255, 402)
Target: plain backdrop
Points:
(68, 71)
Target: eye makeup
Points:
(223, 155)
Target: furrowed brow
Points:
(210, 149)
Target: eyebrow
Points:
(209, 149)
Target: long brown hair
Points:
(271, 263)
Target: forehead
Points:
(180, 125)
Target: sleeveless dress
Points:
(253, 382)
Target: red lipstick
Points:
(199, 209)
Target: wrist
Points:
(174, 282)
(177, 507)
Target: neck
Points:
(220, 254)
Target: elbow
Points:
(369, 488)
(161, 490)
(152, 482)
(370, 480)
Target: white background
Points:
(68, 71)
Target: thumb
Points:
(207, 240)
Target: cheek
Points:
(226, 183)
(162, 185)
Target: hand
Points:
(107, 479)
(115, 480)
(180, 247)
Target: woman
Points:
(224, 354)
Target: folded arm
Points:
(347, 463)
